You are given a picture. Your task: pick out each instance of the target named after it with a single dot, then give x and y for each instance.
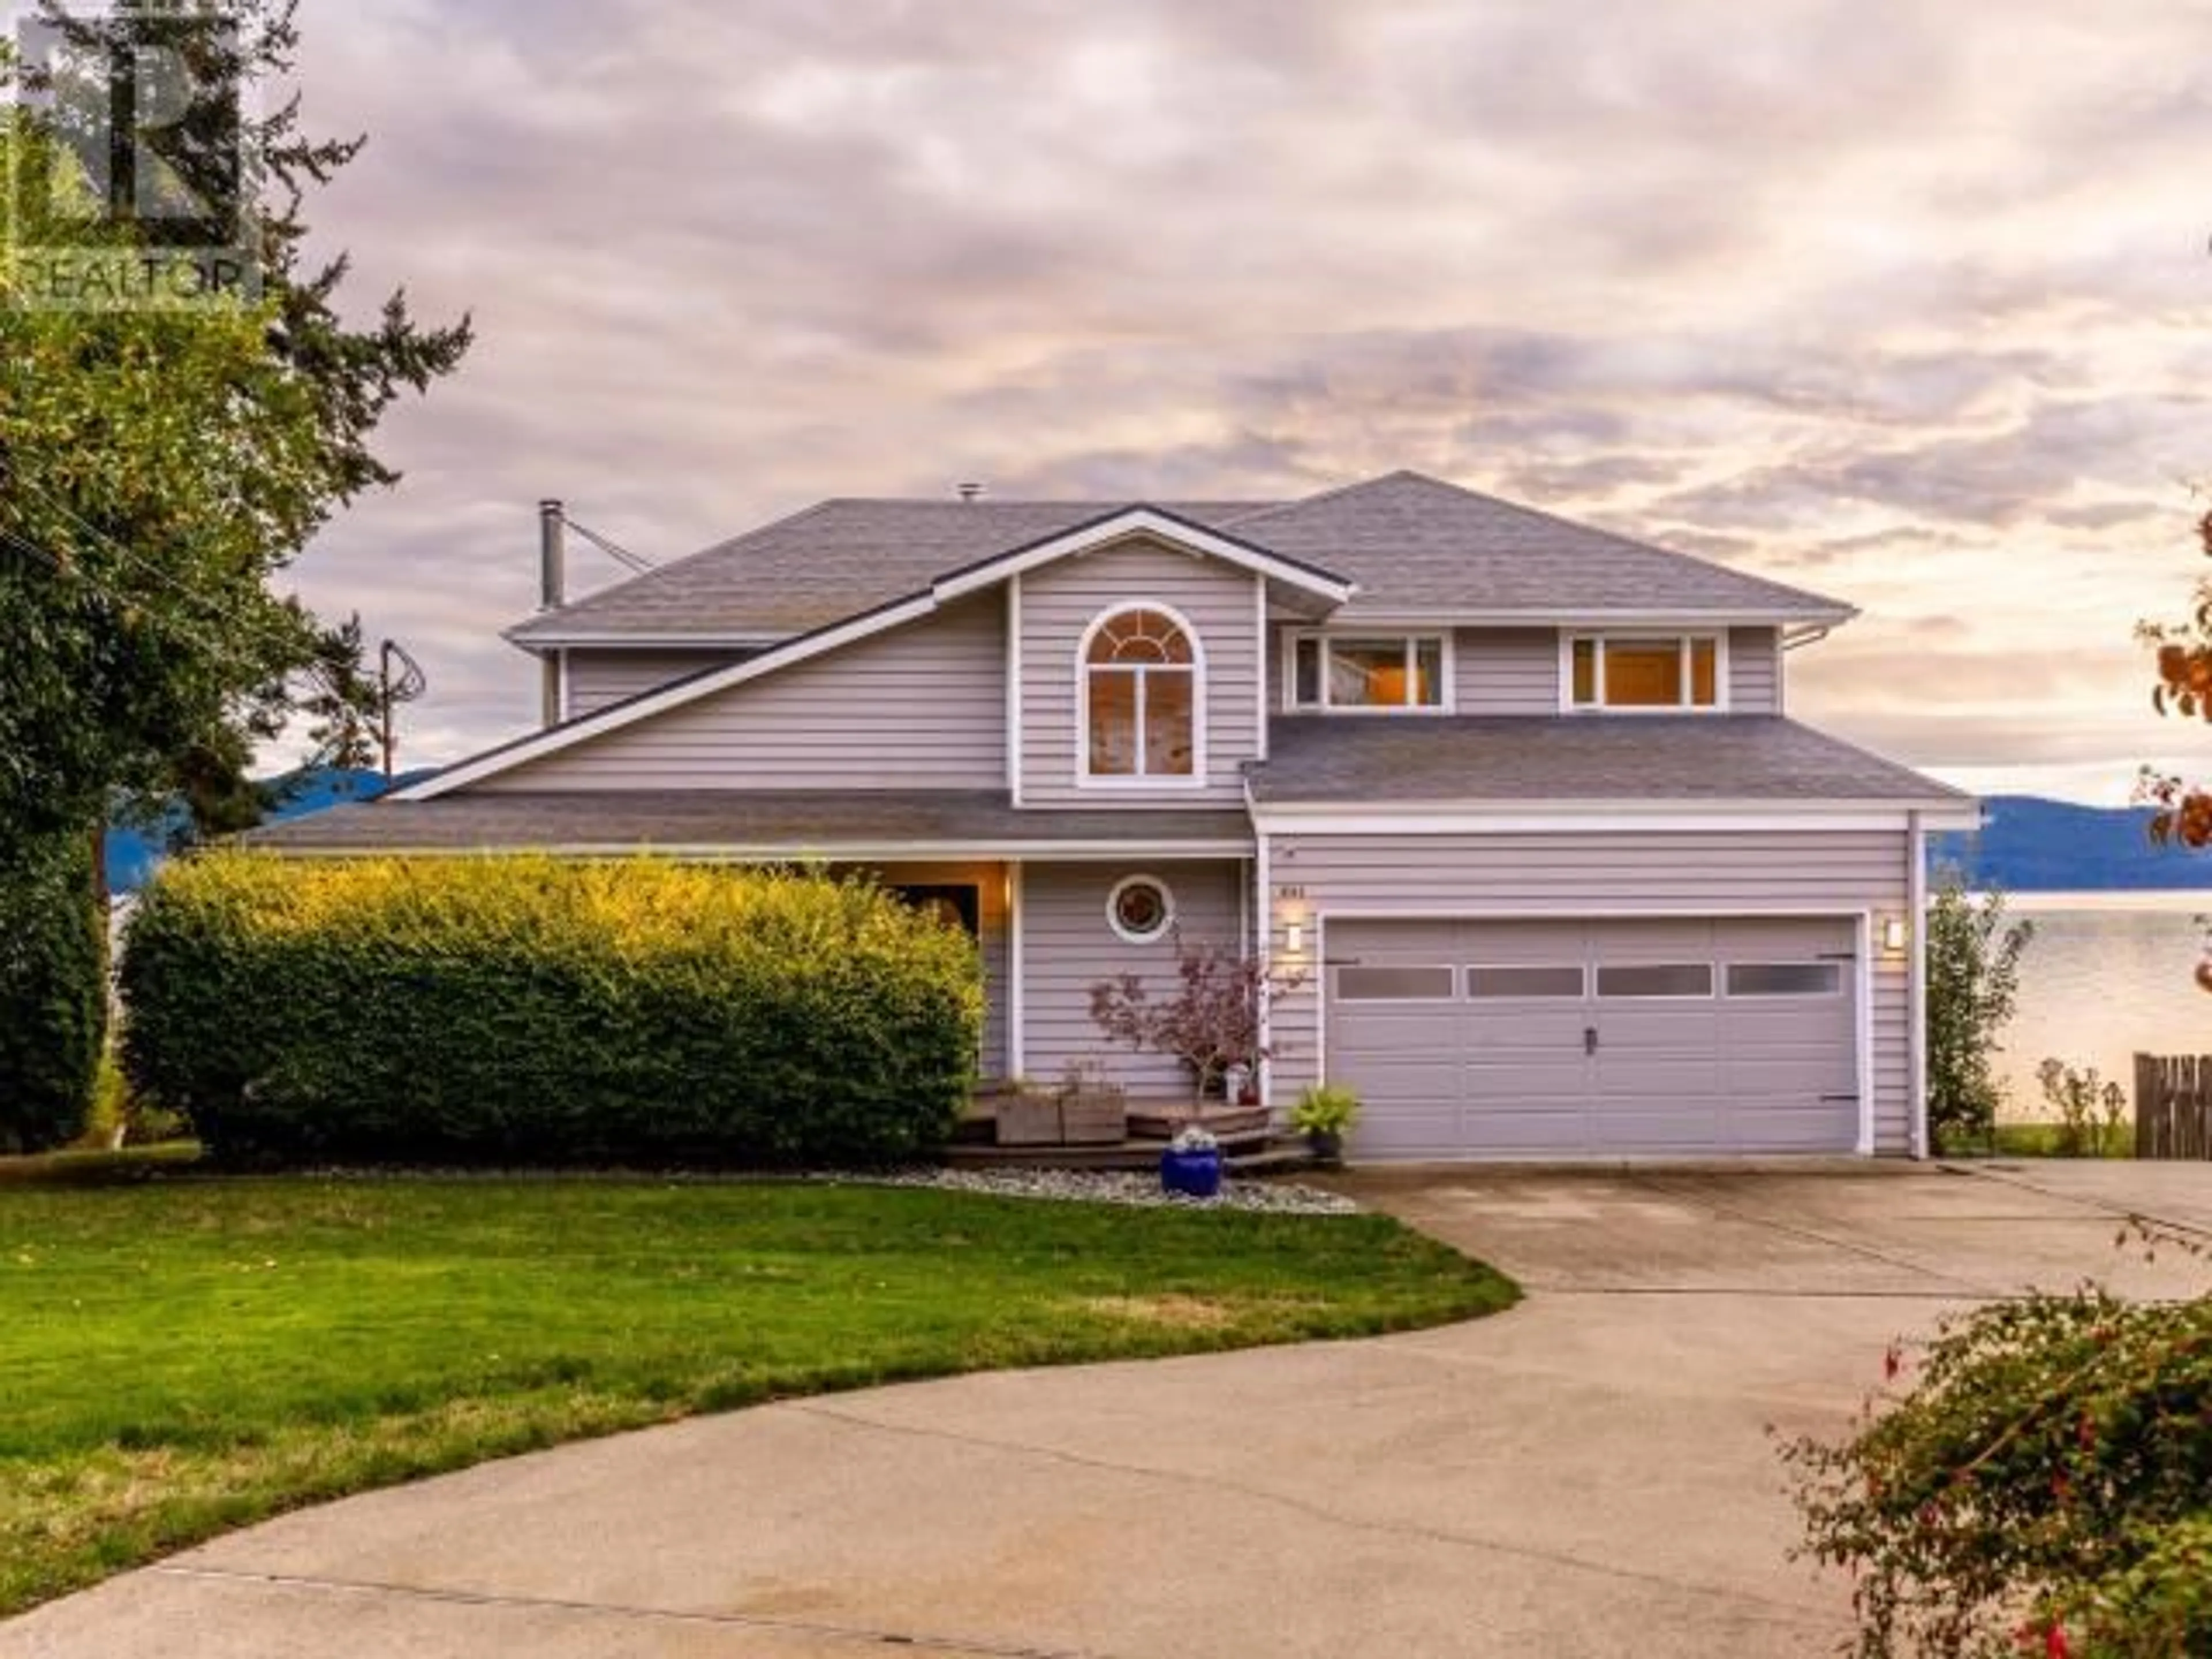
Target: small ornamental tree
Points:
(1973, 982)
(1210, 1021)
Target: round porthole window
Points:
(1141, 908)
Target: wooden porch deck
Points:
(1249, 1143)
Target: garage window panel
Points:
(1552, 984)
(1397, 984)
(1785, 979)
(1656, 981)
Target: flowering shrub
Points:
(2042, 1488)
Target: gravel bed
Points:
(1105, 1187)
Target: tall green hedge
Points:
(53, 992)
(533, 1011)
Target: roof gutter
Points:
(1628, 815)
(1621, 616)
(526, 637)
(936, 850)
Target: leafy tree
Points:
(1973, 982)
(2184, 687)
(53, 994)
(344, 699)
(159, 466)
(160, 463)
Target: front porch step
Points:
(1151, 1121)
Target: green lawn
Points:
(181, 1356)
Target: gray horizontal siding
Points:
(920, 706)
(1507, 671)
(1058, 604)
(1775, 872)
(1068, 946)
(1754, 670)
(598, 677)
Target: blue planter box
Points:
(1195, 1175)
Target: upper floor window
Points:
(1651, 671)
(1140, 684)
(1345, 671)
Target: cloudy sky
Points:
(1909, 303)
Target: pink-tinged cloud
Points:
(1907, 303)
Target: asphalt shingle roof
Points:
(1687, 758)
(836, 560)
(1418, 546)
(797, 823)
(1415, 545)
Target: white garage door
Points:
(1659, 1038)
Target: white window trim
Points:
(1085, 779)
(1259, 685)
(1448, 672)
(1014, 734)
(1113, 910)
(1685, 639)
(1017, 978)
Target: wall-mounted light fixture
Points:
(1894, 935)
(1294, 938)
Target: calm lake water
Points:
(2108, 974)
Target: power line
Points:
(219, 649)
(637, 562)
(208, 609)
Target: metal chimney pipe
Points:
(552, 556)
(552, 594)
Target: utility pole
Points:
(392, 690)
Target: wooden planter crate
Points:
(1094, 1117)
(1027, 1120)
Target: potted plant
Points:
(1192, 1163)
(1025, 1113)
(1092, 1111)
(1325, 1114)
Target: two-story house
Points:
(1516, 805)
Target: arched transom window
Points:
(1140, 681)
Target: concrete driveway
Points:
(1591, 1475)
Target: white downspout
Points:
(1916, 886)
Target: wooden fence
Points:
(2173, 1106)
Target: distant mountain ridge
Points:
(135, 851)
(2031, 845)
